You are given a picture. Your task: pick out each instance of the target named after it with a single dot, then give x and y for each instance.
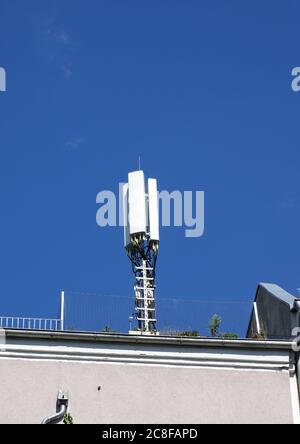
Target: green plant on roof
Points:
(214, 325)
(229, 336)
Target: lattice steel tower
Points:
(141, 240)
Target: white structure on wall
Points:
(141, 240)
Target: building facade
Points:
(147, 379)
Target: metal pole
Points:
(62, 309)
(256, 317)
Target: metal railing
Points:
(30, 323)
(111, 313)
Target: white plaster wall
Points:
(133, 393)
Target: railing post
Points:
(62, 309)
(256, 317)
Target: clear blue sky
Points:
(201, 90)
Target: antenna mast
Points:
(141, 240)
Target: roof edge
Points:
(155, 340)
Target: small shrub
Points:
(68, 419)
(190, 333)
(170, 332)
(214, 325)
(229, 336)
(260, 335)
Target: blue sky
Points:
(201, 90)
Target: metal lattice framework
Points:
(143, 255)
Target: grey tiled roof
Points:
(278, 293)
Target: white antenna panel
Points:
(153, 210)
(137, 202)
(125, 215)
